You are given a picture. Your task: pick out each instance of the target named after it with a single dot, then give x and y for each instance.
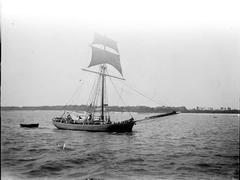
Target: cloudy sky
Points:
(180, 53)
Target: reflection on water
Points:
(182, 146)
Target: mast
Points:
(102, 102)
(103, 72)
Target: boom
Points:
(103, 74)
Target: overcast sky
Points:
(180, 53)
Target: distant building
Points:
(223, 108)
(210, 108)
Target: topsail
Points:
(103, 40)
(102, 56)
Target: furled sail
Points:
(103, 40)
(100, 56)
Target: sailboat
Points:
(104, 52)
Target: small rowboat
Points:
(30, 125)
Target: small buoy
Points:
(61, 146)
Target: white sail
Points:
(103, 40)
(100, 56)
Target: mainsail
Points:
(102, 56)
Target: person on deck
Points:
(69, 118)
(90, 117)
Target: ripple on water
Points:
(49, 168)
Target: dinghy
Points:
(33, 125)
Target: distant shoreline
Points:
(138, 109)
(215, 112)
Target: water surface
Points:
(184, 146)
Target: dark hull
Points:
(121, 127)
(29, 125)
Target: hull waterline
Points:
(115, 127)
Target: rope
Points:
(143, 94)
(69, 100)
(97, 92)
(118, 94)
(91, 95)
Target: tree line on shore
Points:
(139, 109)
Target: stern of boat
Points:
(124, 126)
